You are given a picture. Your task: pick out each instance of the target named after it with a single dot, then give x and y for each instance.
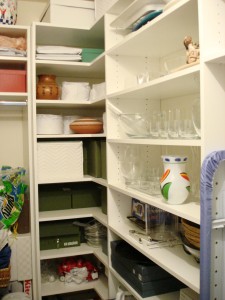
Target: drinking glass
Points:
(163, 124)
(173, 123)
(154, 124)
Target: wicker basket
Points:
(4, 277)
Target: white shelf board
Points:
(173, 259)
(179, 83)
(60, 180)
(216, 56)
(12, 59)
(101, 288)
(163, 29)
(157, 142)
(66, 136)
(168, 296)
(47, 34)
(100, 216)
(69, 104)
(189, 210)
(94, 69)
(119, 6)
(100, 181)
(65, 214)
(134, 11)
(13, 31)
(76, 213)
(101, 256)
(59, 287)
(6, 96)
(83, 249)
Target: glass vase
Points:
(175, 183)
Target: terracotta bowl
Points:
(87, 126)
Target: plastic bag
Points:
(12, 190)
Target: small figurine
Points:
(193, 52)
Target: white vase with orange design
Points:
(175, 183)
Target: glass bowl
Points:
(134, 125)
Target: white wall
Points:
(30, 10)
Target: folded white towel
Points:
(12, 51)
(58, 49)
(59, 57)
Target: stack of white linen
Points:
(58, 53)
(5, 51)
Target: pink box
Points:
(13, 81)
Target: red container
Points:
(13, 81)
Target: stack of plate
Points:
(95, 233)
(191, 232)
(191, 238)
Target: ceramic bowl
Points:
(87, 126)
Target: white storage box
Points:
(101, 7)
(67, 120)
(71, 13)
(49, 124)
(98, 91)
(59, 161)
(75, 91)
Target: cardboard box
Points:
(13, 81)
(59, 234)
(71, 13)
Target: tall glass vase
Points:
(175, 183)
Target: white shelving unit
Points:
(93, 72)
(145, 50)
(16, 133)
(126, 55)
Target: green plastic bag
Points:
(12, 190)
